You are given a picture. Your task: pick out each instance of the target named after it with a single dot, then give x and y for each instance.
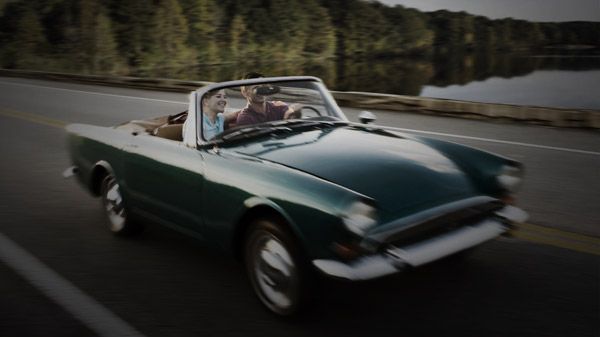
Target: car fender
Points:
(309, 205)
(481, 166)
(255, 207)
(255, 201)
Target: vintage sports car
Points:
(293, 189)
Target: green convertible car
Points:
(277, 176)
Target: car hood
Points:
(401, 174)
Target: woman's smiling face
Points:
(216, 102)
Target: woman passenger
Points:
(213, 107)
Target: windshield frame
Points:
(326, 95)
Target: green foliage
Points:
(363, 30)
(116, 36)
(133, 19)
(29, 42)
(204, 19)
(241, 38)
(169, 32)
(320, 37)
(95, 47)
(409, 34)
(105, 57)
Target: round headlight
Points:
(360, 217)
(510, 178)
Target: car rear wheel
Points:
(112, 202)
(276, 268)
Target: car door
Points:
(165, 180)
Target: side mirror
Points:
(366, 117)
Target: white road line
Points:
(96, 93)
(492, 140)
(386, 127)
(76, 302)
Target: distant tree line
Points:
(116, 36)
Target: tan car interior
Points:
(170, 127)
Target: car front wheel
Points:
(275, 268)
(112, 202)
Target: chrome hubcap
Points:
(275, 273)
(113, 203)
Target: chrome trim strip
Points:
(513, 214)
(366, 268)
(394, 259)
(383, 232)
(434, 249)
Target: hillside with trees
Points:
(123, 37)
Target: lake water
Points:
(567, 81)
(553, 88)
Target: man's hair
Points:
(248, 76)
(251, 75)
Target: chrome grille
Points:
(443, 224)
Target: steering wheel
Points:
(311, 108)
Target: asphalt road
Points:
(545, 283)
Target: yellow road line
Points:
(558, 238)
(35, 118)
(533, 233)
(557, 232)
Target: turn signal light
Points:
(346, 251)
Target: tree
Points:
(133, 20)
(552, 33)
(240, 38)
(169, 31)
(484, 35)
(286, 33)
(503, 29)
(410, 33)
(204, 20)
(447, 28)
(320, 36)
(22, 37)
(96, 47)
(105, 58)
(364, 30)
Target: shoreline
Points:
(557, 117)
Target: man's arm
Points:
(230, 119)
(293, 111)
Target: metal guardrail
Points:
(581, 118)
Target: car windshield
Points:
(262, 106)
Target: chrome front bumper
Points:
(394, 259)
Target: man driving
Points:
(259, 109)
